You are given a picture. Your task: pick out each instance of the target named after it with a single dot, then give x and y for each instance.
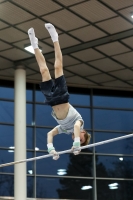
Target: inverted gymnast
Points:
(57, 96)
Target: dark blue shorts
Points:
(55, 91)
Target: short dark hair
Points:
(87, 138)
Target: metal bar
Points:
(68, 151)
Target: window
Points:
(124, 146)
(30, 138)
(6, 156)
(6, 185)
(29, 95)
(113, 120)
(110, 115)
(6, 112)
(29, 114)
(79, 99)
(30, 164)
(114, 166)
(114, 189)
(39, 96)
(43, 116)
(6, 136)
(30, 187)
(6, 92)
(64, 188)
(85, 113)
(113, 102)
(67, 165)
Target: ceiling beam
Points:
(86, 45)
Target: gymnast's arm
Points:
(50, 146)
(51, 134)
(76, 143)
(77, 126)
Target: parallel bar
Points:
(69, 150)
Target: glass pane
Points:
(61, 141)
(29, 114)
(85, 113)
(29, 95)
(39, 96)
(6, 185)
(63, 188)
(124, 146)
(7, 93)
(114, 190)
(6, 111)
(80, 99)
(114, 166)
(30, 187)
(67, 165)
(6, 136)
(41, 138)
(113, 102)
(7, 156)
(113, 120)
(43, 116)
(30, 138)
(30, 164)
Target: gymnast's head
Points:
(84, 137)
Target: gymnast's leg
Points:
(39, 56)
(58, 55)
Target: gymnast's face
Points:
(82, 137)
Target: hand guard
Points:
(75, 146)
(51, 150)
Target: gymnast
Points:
(57, 96)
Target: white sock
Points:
(33, 39)
(49, 145)
(77, 139)
(52, 31)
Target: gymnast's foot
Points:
(33, 39)
(52, 31)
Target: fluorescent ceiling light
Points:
(36, 149)
(87, 187)
(30, 49)
(113, 188)
(131, 13)
(30, 171)
(61, 170)
(32, 123)
(113, 184)
(11, 147)
(61, 173)
(10, 151)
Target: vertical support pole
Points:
(94, 155)
(34, 132)
(20, 185)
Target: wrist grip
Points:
(76, 144)
(50, 149)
